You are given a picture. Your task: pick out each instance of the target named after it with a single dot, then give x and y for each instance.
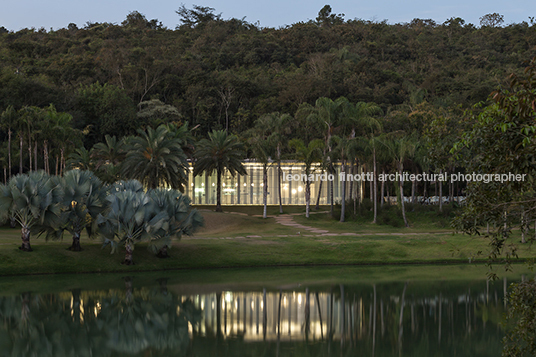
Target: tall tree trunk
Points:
(424, 193)
(371, 191)
(279, 173)
(401, 184)
(264, 190)
(9, 132)
(128, 255)
(382, 189)
(351, 193)
(317, 206)
(75, 247)
(20, 154)
(375, 188)
(62, 161)
(356, 193)
(35, 155)
(25, 236)
(343, 183)
(218, 192)
(45, 156)
(388, 194)
(413, 183)
(440, 193)
(331, 191)
(307, 197)
(30, 150)
(523, 228)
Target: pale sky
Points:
(19, 14)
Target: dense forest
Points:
(226, 73)
(77, 92)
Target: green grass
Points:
(233, 241)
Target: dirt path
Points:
(287, 220)
(308, 231)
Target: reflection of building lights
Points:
(262, 305)
(213, 184)
(192, 184)
(236, 185)
(228, 296)
(223, 184)
(252, 184)
(299, 298)
(202, 305)
(245, 184)
(203, 184)
(252, 305)
(262, 184)
(213, 305)
(293, 191)
(300, 189)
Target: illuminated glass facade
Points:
(248, 189)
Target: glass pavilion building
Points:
(248, 189)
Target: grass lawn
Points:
(234, 240)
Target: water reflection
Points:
(384, 319)
(406, 319)
(97, 323)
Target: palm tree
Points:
(221, 151)
(278, 127)
(401, 148)
(156, 159)
(182, 218)
(343, 147)
(132, 217)
(4, 160)
(266, 141)
(27, 123)
(262, 148)
(8, 120)
(326, 113)
(184, 135)
(80, 159)
(84, 198)
(34, 200)
(308, 155)
(362, 114)
(109, 152)
(65, 136)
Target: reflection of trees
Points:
(377, 320)
(96, 323)
(381, 320)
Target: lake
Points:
(331, 311)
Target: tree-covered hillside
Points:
(220, 73)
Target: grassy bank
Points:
(294, 278)
(238, 240)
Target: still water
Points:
(423, 311)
